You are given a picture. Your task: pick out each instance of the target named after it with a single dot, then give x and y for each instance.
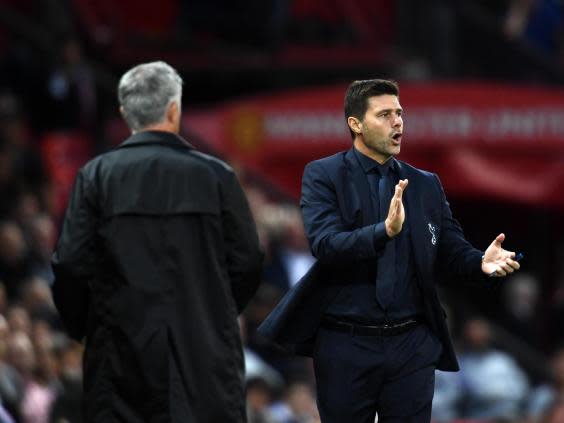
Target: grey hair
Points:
(146, 91)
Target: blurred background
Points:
(482, 85)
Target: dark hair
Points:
(358, 93)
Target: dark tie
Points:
(386, 274)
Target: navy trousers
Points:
(359, 376)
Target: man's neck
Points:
(363, 149)
(163, 127)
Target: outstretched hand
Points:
(497, 261)
(396, 213)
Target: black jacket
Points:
(157, 256)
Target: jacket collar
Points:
(360, 181)
(155, 137)
(370, 165)
(356, 172)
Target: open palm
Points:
(497, 261)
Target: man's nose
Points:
(397, 122)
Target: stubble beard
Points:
(384, 148)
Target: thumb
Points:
(499, 239)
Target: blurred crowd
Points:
(40, 368)
(240, 46)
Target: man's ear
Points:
(172, 111)
(122, 111)
(355, 125)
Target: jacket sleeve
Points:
(74, 258)
(331, 240)
(457, 258)
(244, 256)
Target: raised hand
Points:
(396, 213)
(497, 261)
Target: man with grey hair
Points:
(146, 92)
(157, 256)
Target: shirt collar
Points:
(371, 165)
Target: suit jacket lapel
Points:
(360, 183)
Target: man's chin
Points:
(395, 150)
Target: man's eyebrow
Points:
(399, 109)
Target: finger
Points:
(507, 268)
(399, 189)
(507, 254)
(395, 202)
(514, 264)
(499, 239)
(500, 272)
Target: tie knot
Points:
(382, 170)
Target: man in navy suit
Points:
(382, 232)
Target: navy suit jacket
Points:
(346, 239)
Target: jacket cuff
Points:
(380, 236)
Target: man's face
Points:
(382, 127)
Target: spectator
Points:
(40, 389)
(7, 179)
(21, 354)
(539, 23)
(519, 314)
(259, 395)
(494, 386)
(24, 167)
(19, 320)
(67, 406)
(255, 366)
(270, 224)
(289, 255)
(295, 251)
(447, 397)
(71, 97)
(14, 258)
(3, 299)
(11, 384)
(556, 305)
(546, 400)
(38, 302)
(298, 405)
(26, 208)
(42, 241)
